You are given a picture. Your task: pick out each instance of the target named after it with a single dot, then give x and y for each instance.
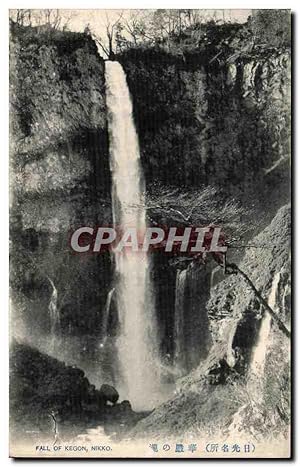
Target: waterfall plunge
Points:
(137, 341)
(106, 316)
(179, 320)
(53, 314)
(261, 347)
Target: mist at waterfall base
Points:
(140, 372)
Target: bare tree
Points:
(164, 25)
(21, 17)
(203, 207)
(193, 207)
(135, 29)
(107, 43)
(193, 17)
(132, 25)
(51, 18)
(232, 268)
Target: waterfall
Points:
(54, 316)
(106, 316)
(260, 349)
(53, 310)
(137, 342)
(179, 353)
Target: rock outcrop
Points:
(109, 393)
(42, 387)
(60, 179)
(215, 113)
(208, 397)
(219, 121)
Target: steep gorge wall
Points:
(224, 384)
(60, 179)
(213, 114)
(204, 117)
(213, 117)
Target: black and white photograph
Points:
(150, 233)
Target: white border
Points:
(89, 4)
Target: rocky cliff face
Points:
(232, 300)
(223, 384)
(214, 116)
(60, 180)
(49, 396)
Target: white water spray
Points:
(179, 319)
(53, 310)
(261, 347)
(106, 316)
(54, 315)
(137, 342)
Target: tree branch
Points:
(234, 269)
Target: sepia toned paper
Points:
(150, 271)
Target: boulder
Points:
(109, 393)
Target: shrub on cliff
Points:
(271, 27)
(57, 86)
